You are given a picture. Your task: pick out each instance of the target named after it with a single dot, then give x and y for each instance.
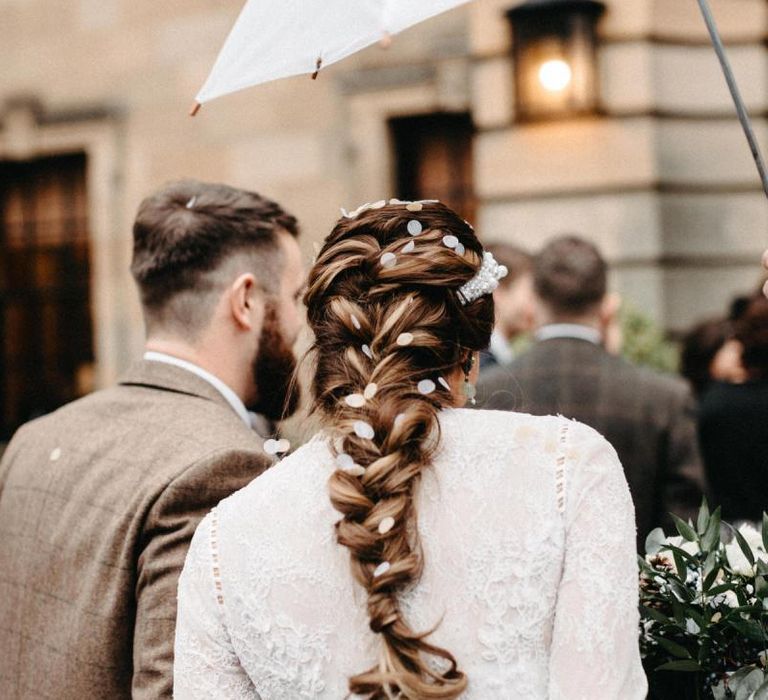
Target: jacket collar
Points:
(165, 377)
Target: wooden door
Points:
(46, 331)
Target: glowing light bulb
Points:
(555, 75)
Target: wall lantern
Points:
(554, 49)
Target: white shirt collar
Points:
(232, 398)
(569, 330)
(499, 347)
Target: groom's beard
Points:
(278, 396)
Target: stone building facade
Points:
(661, 178)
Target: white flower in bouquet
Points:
(691, 548)
(738, 562)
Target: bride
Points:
(414, 548)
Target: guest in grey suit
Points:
(649, 418)
(99, 500)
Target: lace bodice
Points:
(529, 545)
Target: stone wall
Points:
(662, 180)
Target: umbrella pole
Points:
(734, 88)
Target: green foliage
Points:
(645, 343)
(704, 610)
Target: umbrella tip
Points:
(318, 66)
(195, 109)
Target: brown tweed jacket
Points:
(98, 504)
(649, 418)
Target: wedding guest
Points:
(710, 354)
(513, 299)
(647, 417)
(99, 500)
(477, 554)
(733, 425)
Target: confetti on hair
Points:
(408, 247)
(388, 260)
(367, 351)
(415, 227)
(355, 400)
(370, 391)
(386, 525)
(381, 569)
(404, 339)
(426, 386)
(363, 429)
(450, 241)
(191, 203)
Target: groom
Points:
(99, 500)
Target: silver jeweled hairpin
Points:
(484, 282)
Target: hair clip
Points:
(485, 281)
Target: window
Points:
(433, 156)
(46, 346)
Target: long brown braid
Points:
(354, 300)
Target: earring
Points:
(470, 391)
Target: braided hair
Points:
(382, 302)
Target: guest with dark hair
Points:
(99, 500)
(733, 425)
(710, 354)
(513, 299)
(647, 417)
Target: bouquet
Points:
(704, 610)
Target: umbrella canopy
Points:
(278, 38)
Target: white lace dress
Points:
(529, 545)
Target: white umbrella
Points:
(277, 38)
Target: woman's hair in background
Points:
(358, 308)
(751, 330)
(699, 349)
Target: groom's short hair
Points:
(186, 238)
(570, 276)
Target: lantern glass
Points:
(554, 51)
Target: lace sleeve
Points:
(595, 650)
(206, 666)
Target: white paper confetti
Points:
(363, 429)
(55, 454)
(382, 569)
(399, 418)
(415, 227)
(444, 383)
(426, 386)
(409, 247)
(386, 525)
(414, 206)
(370, 391)
(388, 260)
(355, 321)
(367, 351)
(344, 461)
(355, 400)
(404, 339)
(274, 447)
(460, 249)
(450, 241)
